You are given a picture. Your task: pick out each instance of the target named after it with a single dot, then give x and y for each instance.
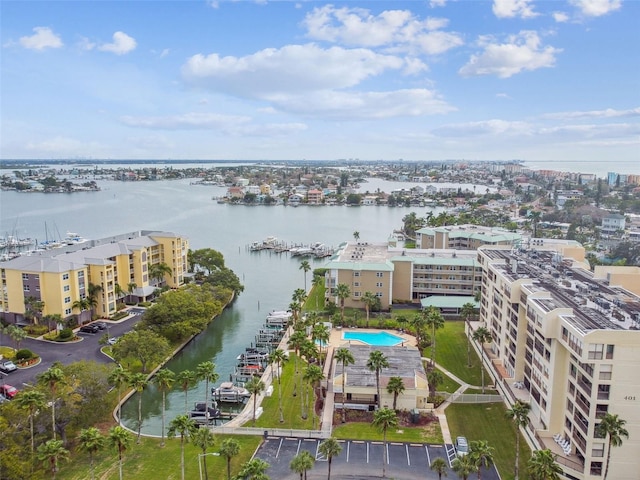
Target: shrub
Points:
(72, 322)
(119, 315)
(24, 354)
(36, 330)
(145, 304)
(65, 334)
(120, 305)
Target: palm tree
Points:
(419, 323)
(329, 448)
(342, 292)
(90, 440)
(17, 334)
(186, 380)
(369, 299)
(519, 415)
(535, 219)
(278, 357)
(207, 371)
(317, 282)
(164, 379)
(482, 454)
(117, 289)
(31, 400)
(468, 311)
(313, 375)
(254, 469)
(377, 361)
(482, 336)
(296, 340)
(356, 235)
(305, 267)
(320, 334)
(434, 378)
(613, 427)
(542, 466)
(130, 289)
(119, 377)
(52, 377)
(121, 439)
(439, 465)
(301, 463)
(395, 387)
(138, 381)
(159, 270)
(51, 452)
(384, 419)
(464, 466)
(435, 320)
(255, 387)
(229, 448)
(203, 438)
(185, 427)
(345, 357)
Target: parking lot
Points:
(360, 459)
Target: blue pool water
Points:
(378, 339)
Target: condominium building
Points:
(395, 274)
(464, 237)
(113, 267)
(566, 341)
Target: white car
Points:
(7, 366)
(112, 340)
(462, 446)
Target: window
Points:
(379, 294)
(603, 392)
(597, 450)
(595, 351)
(66, 288)
(609, 354)
(356, 284)
(356, 294)
(25, 276)
(26, 288)
(605, 372)
(80, 275)
(379, 274)
(356, 274)
(65, 276)
(379, 284)
(596, 468)
(67, 299)
(67, 311)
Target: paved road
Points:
(86, 349)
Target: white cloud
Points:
(560, 17)
(290, 70)
(122, 44)
(164, 53)
(85, 44)
(503, 95)
(42, 39)
(596, 8)
(485, 127)
(365, 105)
(187, 121)
(437, 3)
(607, 113)
(513, 8)
(399, 30)
(521, 52)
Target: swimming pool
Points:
(378, 339)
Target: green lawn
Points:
(451, 353)
(489, 422)
(366, 431)
(291, 406)
(149, 461)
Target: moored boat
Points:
(227, 392)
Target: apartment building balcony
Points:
(569, 461)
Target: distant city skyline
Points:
(552, 83)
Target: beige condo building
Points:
(566, 341)
(117, 266)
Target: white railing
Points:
(271, 432)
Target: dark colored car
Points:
(7, 366)
(91, 328)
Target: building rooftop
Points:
(404, 362)
(593, 303)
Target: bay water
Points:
(177, 206)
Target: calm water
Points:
(269, 279)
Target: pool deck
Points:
(336, 340)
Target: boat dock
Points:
(272, 244)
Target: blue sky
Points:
(543, 81)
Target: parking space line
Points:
(387, 448)
(280, 445)
(406, 448)
(428, 457)
(298, 450)
(348, 450)
(367, 452)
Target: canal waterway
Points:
(269, 278)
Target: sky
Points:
(549, 82)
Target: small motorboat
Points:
(227, 392)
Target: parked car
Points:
(7, 366)
(91, 328)
(8, 391)
(100, 325)
(112, 340)
(462, 446)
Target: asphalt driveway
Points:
(360, 460)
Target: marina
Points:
(316, 249)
